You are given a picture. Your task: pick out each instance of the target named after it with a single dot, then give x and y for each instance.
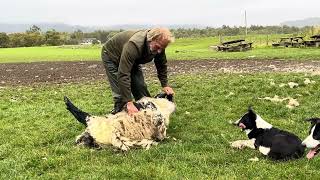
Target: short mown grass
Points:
(182, 49)
(37, 132)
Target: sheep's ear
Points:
(164, 95)
(160, 95)
(138, 106)
(170, 97)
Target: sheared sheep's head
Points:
(160, 127)
(162, 104)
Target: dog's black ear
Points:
(250, 107)
(313, 120)
(252, 115)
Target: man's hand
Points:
(131, 108)
(168, 90)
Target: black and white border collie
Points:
(272, 142)
(313, 140)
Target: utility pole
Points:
(245, 21)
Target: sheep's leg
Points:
(121, 142)
(125, 144)
(146, 143)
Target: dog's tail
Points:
(77, 113)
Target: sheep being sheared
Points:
(143, 129)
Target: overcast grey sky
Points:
(115, 12)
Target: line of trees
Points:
(32, 37)
(232, 31)
(35, 37)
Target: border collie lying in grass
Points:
(272, 142)
(313, 140)
(122, 131)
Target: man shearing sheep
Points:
(122, 57)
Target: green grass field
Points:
(37, 133)
(182, 49)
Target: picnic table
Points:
(296, 41)
(314, 42)
(234, 46)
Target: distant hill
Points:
(11, 28)
(315, 21)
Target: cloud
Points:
(206, 12)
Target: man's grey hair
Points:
(160, 34)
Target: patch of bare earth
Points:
(66, 72)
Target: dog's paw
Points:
(238, 144)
